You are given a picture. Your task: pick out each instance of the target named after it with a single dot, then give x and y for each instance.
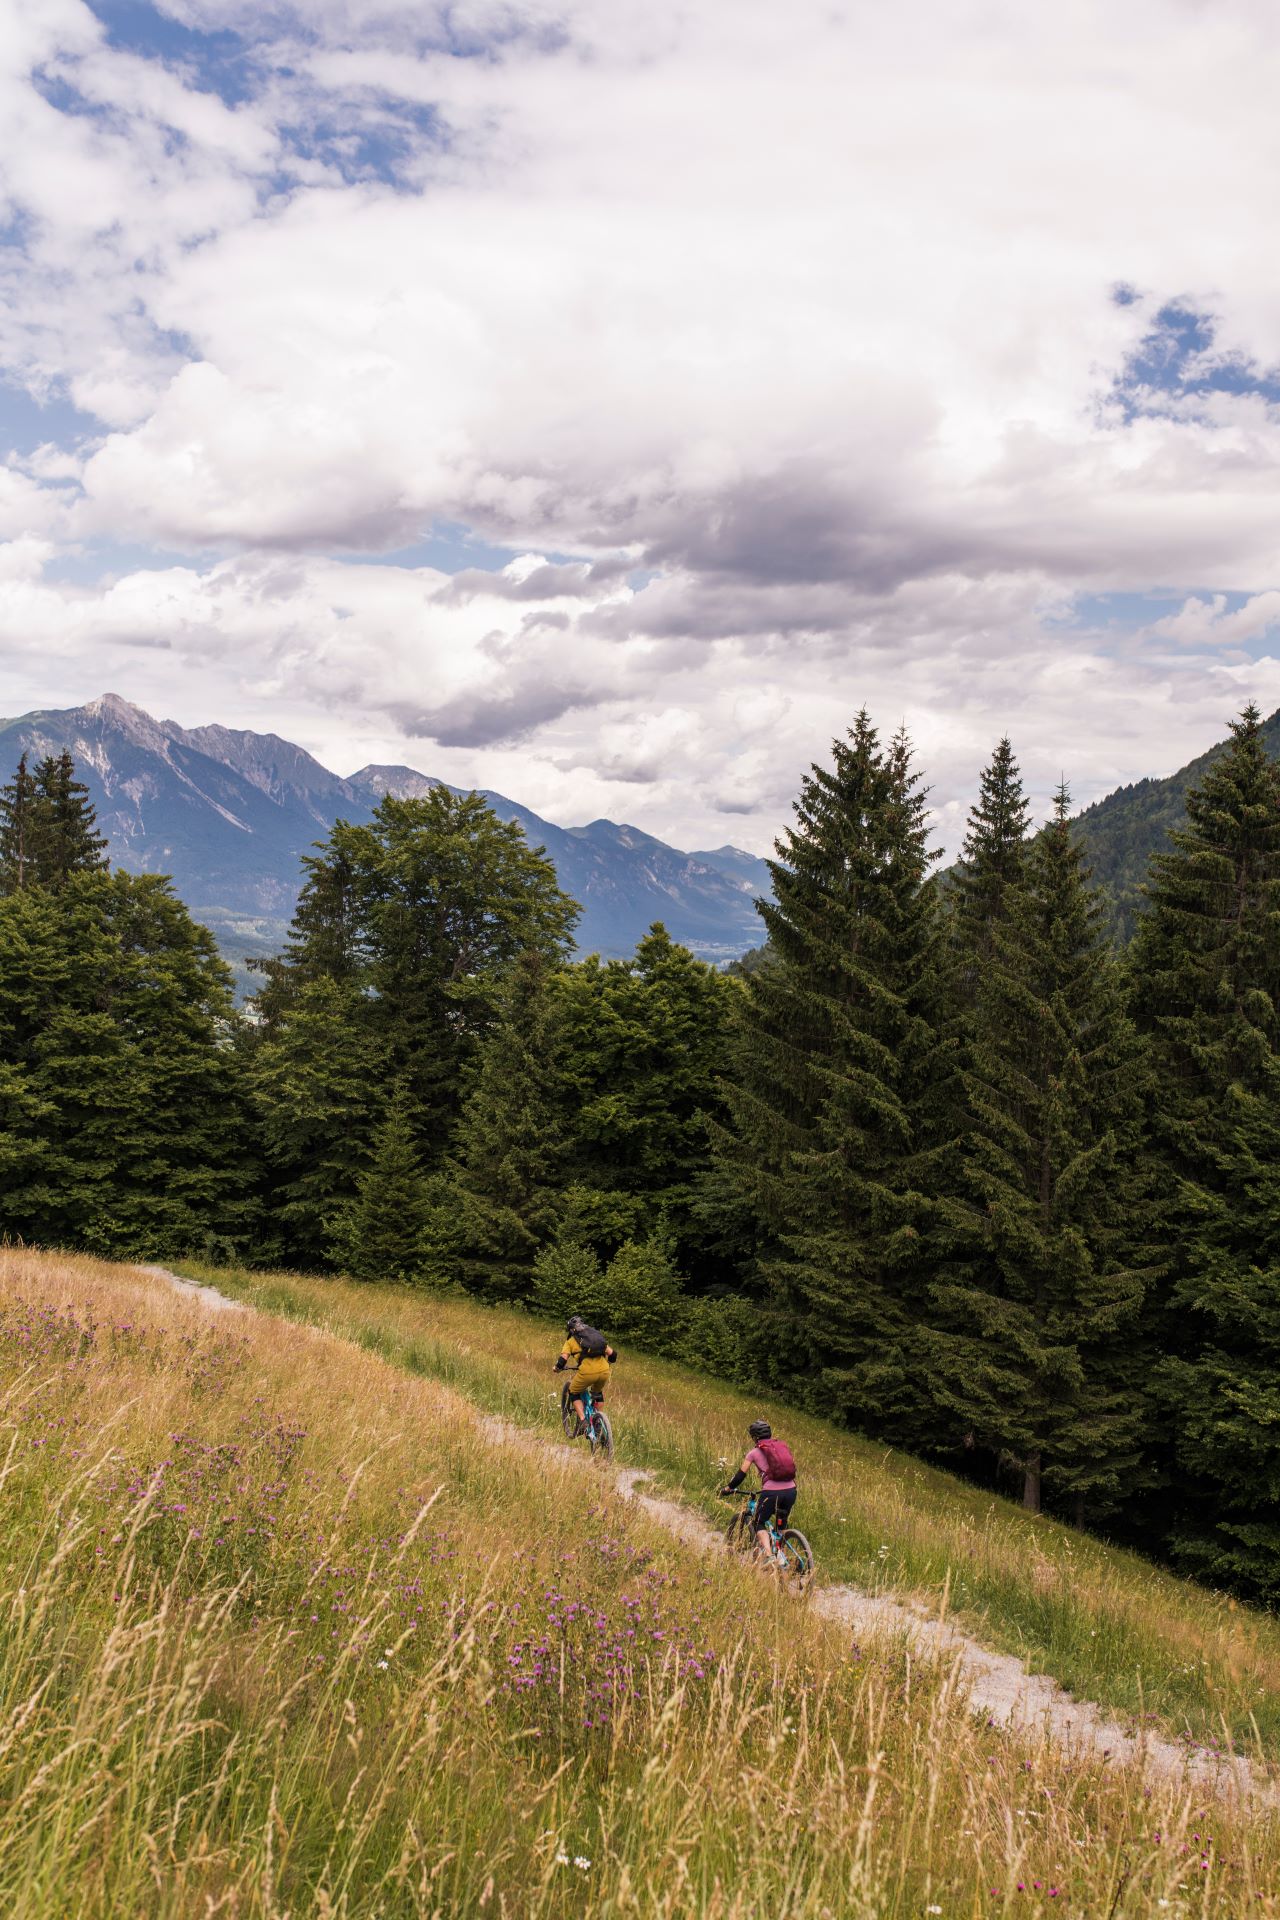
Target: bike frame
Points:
(590, 1410)
(771, 1524)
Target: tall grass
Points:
(286, 1631)
(1104, 1622)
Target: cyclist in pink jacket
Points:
(774, 1461)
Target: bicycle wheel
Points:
(740, 1534)
(568, 1418)
(600, 1434)
(797, 1557)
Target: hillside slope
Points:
(229, 814)
(1122, 831)
(293, 1630)
(1102, 1621)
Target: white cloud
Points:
(697, 741)
(810, 316)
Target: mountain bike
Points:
(595, 1421)
(792, 1553)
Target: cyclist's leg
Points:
(777, 1509)
(587, 1375)
(765, 1508)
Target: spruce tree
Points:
(18, 829)
(48, 826)
(837, 1095)
(990, 866)
(1206, 973)
(382, 1233)
(314, 1080)
(67, 837)
(643, 1043)
(1031, 1349)
(124, 1123)
(510, 1147)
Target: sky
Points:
(601, 400)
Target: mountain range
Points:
(229, 815)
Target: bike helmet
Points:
(574, 1321)
(760, 1430)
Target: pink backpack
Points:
(782, 1462)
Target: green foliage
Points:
(837, 1096)
(48, 827)
(122, 1128)
(990, 868)
(568, 1278)
(1030, 1347)
(510, 1147)
(314, 1081)
(1124, 832)
(1206, 973)
(382, 1234)
(724, 1336)
(643, 1046)
(421, 914)
(642, 1298)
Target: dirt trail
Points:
(997, 1684)
(195, 1290)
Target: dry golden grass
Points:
(286, 1633)
(1104, 1622)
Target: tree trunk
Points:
(1077, 1511)
(1031, 1484)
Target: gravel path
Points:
(195, 1290)
(998, 1685)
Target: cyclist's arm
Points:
(731, 1486)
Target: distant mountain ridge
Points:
(229, 814)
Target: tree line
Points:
(942, 1162)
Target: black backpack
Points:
(594, 1345)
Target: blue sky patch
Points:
(27, 423)
(220, 62)
(1178, 357)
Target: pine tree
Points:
(1031, 1346)
(325, 937)
(1206, 971)
(122, 1113)
(18, 829)
(314, 1079)
(48, 826)
(837, 1098)
(67, 839)
(511, 1145)
(382, 1234)
(990, 865)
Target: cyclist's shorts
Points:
(778, 1504)
(593, 1374)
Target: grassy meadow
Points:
(1105, 1623)
(288, 1631)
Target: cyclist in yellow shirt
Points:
(590, 1356)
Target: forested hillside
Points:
(948, 1168)
(1123, 831)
